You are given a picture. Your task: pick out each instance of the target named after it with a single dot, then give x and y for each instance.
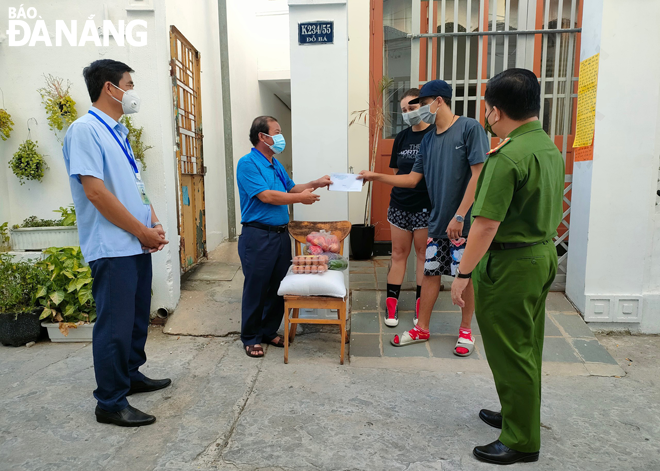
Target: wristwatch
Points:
(156, 224)
(459, 218)
(462, 275)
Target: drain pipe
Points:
(226, 118)
(160, 316)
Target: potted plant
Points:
(60, 107)
(66, 296)
(362, 235)
(19, 311)
(39, 234)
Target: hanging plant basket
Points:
(59, 106)
(27, 163)
(5, 125)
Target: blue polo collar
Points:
(258, 152)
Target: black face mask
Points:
(487, 126)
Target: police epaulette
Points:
(502, 144)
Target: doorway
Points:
(466, 42)
(191, 212)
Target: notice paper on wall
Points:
(345, 182)
(586, 108)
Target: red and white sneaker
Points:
(465, 344)
(392, 314)
(414, 335)
(416, 319)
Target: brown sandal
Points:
(251, 348)
(279, 344)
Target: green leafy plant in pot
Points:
(19, 309)
(67, 294)
(362, 235)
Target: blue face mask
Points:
(279, 144)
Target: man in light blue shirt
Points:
(264, 246)
(118, 231)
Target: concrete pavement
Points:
(226, 411)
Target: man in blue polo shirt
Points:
(264, 246)
(118, 231)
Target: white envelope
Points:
(345, 182)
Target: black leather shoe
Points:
(494, 419)
(128, 417)
(148, 385)
(498, 453)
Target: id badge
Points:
(142, 191)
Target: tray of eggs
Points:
(309, 264)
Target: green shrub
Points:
(34, 221)
(19, 284)
(4, 237)
(67, 295)
(135, 139)
(68, 215)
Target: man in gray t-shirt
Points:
(445, 160)
(450, 159)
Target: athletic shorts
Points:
(442, 257)
(408, 221)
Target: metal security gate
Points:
(466, 42)
(191, 214)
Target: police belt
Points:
(512, 245)
(265, 227)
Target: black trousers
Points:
(265, 259)
(122, 291)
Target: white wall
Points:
(250, 98)
(359, 33)
(27, 66)
(272, 30)
(592, 17)
(319, 98)
(622, 242)
(198, 22)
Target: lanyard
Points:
(277, 169)
(131, 160)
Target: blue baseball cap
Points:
(434, 88)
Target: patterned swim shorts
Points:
(408, 221)
(443, 256)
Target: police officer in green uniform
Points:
(512, 259)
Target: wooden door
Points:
(191, 214)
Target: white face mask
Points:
(130, 102)
(412, 118)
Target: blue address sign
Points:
(316, 32)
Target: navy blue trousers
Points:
(122, 291)
(265, 259)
